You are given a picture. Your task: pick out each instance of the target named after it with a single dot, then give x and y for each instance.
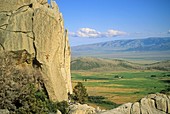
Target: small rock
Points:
(81, 109)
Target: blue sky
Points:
(91, 21)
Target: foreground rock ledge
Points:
(38, 27)
(151, 104)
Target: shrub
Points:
(22, 91)
(153, 75)
(63, 107)
(19, 94)
(80, 93)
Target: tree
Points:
(80, 93)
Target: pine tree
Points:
(80, 93)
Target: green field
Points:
(122, 87)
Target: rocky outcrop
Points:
(81, 109)
(152, 104)
(38, 27)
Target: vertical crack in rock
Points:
(65, 41)
(155, 103)
(131, 108)
(33, 35)
(9, 19)
(140, 107)
(36, 63)
(166, 106)
(2, 46)
(35, 49)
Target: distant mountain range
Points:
(148, 44)
(153, 44)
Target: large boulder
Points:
(151, 104)
(38, 27)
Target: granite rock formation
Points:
(38, 27)
(151, 104)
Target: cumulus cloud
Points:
(92, 33)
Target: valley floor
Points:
(121, 87)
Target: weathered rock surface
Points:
(37, 27)
(151, 104)
(81, 109)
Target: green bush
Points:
(18, 94)
(80, 93)
(23, 92)
(63, 107)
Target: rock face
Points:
(38, 27)
(152, 104)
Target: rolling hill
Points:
(98, 64)
(157, 48)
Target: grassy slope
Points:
(98, 64)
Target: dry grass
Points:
(107, 92)
(120, 99)
(107, 89)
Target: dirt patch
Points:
(111, 85)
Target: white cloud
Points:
(113, 33)
(92, 33)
